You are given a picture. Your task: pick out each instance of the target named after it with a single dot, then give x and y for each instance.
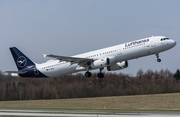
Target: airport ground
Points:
(164, 103)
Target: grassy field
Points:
(141, 103)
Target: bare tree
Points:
(140, 74)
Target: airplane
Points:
(113, 58)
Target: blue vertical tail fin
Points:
(20, 59)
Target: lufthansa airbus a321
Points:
(113, 58)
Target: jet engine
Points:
(118, 66)
(99, 63)
(103, 62)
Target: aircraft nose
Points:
(173, 43)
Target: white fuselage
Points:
(122, 52)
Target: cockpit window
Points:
(164, 39)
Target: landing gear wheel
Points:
(158, 60)
(100, 75)
(88, 74)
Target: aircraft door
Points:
(153, 42)
(119, 52)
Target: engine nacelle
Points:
(103, 62)
(99, 63)
(111, 60)
(118, 66)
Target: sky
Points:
(70, 27)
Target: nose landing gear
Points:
(158, 59)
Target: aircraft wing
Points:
(80, 61)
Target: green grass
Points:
(136, 103)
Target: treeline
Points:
(78, 86)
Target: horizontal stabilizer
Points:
(44, 55)
(17, 72)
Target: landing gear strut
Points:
(158, 59)
(100, 75)
(88, 74)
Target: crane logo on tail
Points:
(21, 61)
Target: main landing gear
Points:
(88, 74)
(99, 75)
(158, 59)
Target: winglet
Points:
(44, 55)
